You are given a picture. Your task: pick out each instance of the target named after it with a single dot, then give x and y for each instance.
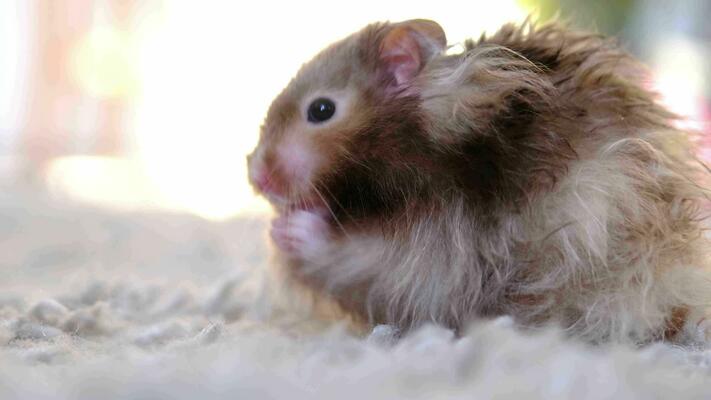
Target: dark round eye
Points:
(321, 110)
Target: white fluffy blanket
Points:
(101, 305)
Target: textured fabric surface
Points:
(98, 304)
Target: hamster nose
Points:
(266, 183)
(262, 182)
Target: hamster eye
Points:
(321, 109)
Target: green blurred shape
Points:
(607, 16)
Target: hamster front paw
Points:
(302, 234)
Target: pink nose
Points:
(265, 183)
(261, 181)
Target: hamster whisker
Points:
(356, 161)
(332, 197)
(330, 210)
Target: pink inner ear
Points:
(401, 56)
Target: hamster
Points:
(531, 175)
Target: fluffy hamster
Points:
(531, 175)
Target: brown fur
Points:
(531, 175)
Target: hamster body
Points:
(530, 175)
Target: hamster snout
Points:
(284, 173)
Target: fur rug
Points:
(98, 304)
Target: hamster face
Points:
(297, 143)
(342, 112)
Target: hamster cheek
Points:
(302, 234)
(298, 162)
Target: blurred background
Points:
(153, 104)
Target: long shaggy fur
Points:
(531, 175)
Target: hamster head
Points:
(347, 122)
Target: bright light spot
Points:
(679, 78)
(121, 183)
(112, 182)
(102, 63)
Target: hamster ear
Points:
(407, 47)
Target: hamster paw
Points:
(301, 234)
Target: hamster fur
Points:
(531, 175)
